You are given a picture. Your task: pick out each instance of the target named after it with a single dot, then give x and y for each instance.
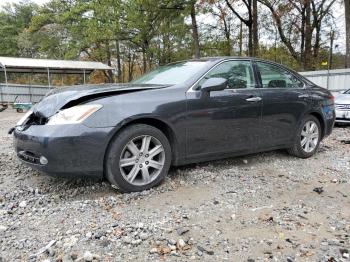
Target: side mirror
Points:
(214, 84)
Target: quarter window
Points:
(276, 77)
(239, 74)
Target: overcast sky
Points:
(339, 42)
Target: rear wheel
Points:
(307, 139)
(138, 158)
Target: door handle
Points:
(303, 96)
(254, 99)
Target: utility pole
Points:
(330, 56)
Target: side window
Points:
(239, 74)
(276, 77)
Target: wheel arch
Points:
(151, 121)
(321, 120)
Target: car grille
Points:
(342, 107)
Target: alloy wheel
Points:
(142, 160)
(309, 136)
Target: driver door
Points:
(224, 121)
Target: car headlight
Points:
(73, 115)
(24, 118)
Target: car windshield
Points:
(172, 74)
(347, 92)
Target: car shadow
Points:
(71, 189)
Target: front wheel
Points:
(307, 139)
(138, 158)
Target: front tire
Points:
(138, 158)
(308, 138)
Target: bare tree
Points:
(251, 22)
(304, 17)
(319, 12)
(224, 21)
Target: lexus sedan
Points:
(342, 107)
(181, 113)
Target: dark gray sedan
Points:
(185, 112)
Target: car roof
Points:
(223, 58)
(219, 58)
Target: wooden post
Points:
(1, 94)
(30, 87)
(330, 57)
(48, 77)
(6, 84)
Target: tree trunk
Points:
(130, 69)
(228, 38)
(109, 63)
(144, 59)
(317, 44)
(241, 39)
(130, 65)
(165, 52)
(347, 26)
(197, 52)
(255, 28)
(248, 22)
(119, 67)
(250, 40)
(302, 38)
(308, 37)
(330, 62)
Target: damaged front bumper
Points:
(67, 150)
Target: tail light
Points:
(331, 97)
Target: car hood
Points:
(342, 99)
(66, 97)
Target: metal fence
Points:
(334, 80)
(22, 93)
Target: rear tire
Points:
(138, 158)
(307, 139)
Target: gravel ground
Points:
(267, 206)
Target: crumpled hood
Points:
(342, 99)
(61, 98)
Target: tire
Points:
(304, 151)
(128, 158)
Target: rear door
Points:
(224, 121)
(285, 101)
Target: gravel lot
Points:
(253, 208)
